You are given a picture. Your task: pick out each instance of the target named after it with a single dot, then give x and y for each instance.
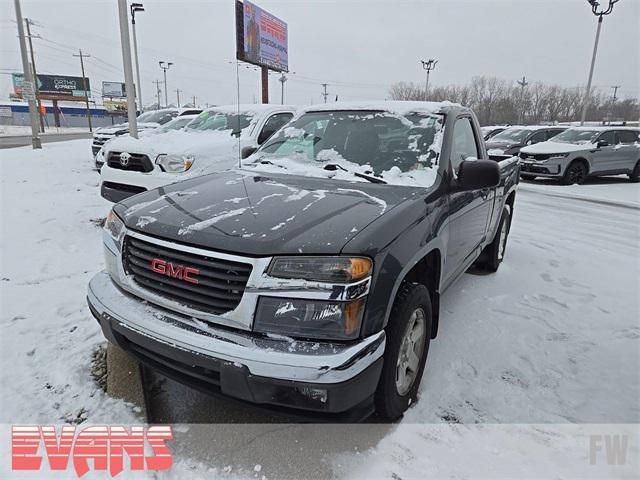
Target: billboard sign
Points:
(113, 89)
(54, 87)
(262, 39)
(115, 106)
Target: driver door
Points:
(604, 158)
(469, 210)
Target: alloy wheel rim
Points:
(503, 240)
(411, 350)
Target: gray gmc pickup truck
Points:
(310, 278)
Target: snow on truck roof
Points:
(397, 107)
(250, 108)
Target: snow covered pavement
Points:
(552, 338)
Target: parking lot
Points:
(552, 338)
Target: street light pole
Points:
(136, 7)
(28, 85)
(428, 65)
(600, 14)
(165, 67)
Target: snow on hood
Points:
(557, 147)
(113, 129)
(208, 145)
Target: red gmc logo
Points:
(188, 274)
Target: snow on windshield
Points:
(576, 136)
(375, 146)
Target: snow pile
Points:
(51, 246)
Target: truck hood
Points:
(114, 129)
(500, 145)
(557, 147)
(178, 142)
(258, 214)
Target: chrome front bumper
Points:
(274, 357)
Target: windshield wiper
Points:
(372, 179)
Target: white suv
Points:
(146, 121)
(210, 143)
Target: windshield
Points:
(382, 145)
(161, 116)
(515, 135)
(176, 124)
(220, 121)
(575, 136)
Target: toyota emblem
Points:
(124, 159)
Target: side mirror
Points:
(478, 174)
(602, 143)
(530, 142)
(235, 133)
(247, 152)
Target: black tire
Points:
(576, 172)
(634, 176)
(493, 254)
(390, 402)
(526, 176)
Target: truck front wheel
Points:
(408, 337)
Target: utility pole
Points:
(428, 65)
(84, 86)
(523, 83)
(615, 92)
(28, 90)
(600, 14)
(613, 101)
(136, 7)
(36, 88)
(128, 68)
(282, 79)
(325, 94)
(158, 92)
(178, 95)
(194, 102)
(165, 66)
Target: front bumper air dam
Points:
(329, 381)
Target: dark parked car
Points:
(491, 131)
(509, 142)
(311, 277)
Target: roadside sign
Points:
(5, 112)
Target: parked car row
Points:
(146, 121)
(305, 271)
(570, 155)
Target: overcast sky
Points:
(359, 47)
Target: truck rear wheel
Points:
(493, 254)
(408, 337)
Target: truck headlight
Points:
(321, 269)
(313, 319)
(175, 163)
(114, 226)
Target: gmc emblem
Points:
(180, 272)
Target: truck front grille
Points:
(136, 162)
(200, 282)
